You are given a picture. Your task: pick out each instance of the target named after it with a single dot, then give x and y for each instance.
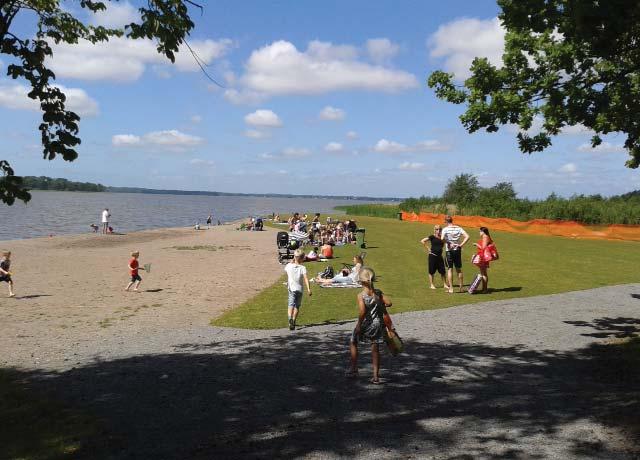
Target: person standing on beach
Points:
(105, 220)
(296, 274)
(455, 238)
(5, 274)
(209, 220)
(134, 266)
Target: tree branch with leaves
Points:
(167, 22)
(565, 63)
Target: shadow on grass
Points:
(286, 397)
(507, 289)
(610, 327)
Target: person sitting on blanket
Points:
(327, 250)
(345, 276)
(313, 255)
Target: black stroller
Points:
(286, 247)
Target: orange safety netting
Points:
(564, 228)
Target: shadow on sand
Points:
(286, 397)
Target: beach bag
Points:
(327, 273)
(491, 253)
(475, 284)
(394, 342)
(391, 337)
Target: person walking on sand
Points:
(372, 305)
(134, 266)
(455, 238)
(435, 262)
(5, 274)
(105, 221)
(296, 275)
(209, 220)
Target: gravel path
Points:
(526, 378)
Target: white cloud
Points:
(14, 96)
(281, 69)
(568, 168)
(257, 134)
(263, 118)
(172, 139)
(331, 114)
(407, 166)
(460, 41)
(334, 147)
(536, 127)
(286, 154)
(392, 147)
(125, 60)
(117, 15)
(605, 147)
(201, 162)
(123, 140)
(196, 119)
(352, 135)
(381, 49)
(293, 152)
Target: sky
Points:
(311, 98)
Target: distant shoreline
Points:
(148, 191)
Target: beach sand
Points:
(70, 289)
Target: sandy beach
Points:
(70, 290)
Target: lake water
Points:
(60, 213)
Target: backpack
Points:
(327, 273)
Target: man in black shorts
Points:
(455, 238)
(436, 264)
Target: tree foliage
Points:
(565, 63)
(167, 22)
(463, 189)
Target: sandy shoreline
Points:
(70, 289)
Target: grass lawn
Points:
(36, 428)
(529, 265)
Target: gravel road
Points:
(540, 377)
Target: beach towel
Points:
(341, 285)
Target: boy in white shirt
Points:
(296, 274)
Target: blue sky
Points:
(317, 97)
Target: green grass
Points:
(36, 428)
(529, 265)
(371, 210)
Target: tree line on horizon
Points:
(464, 196)
(60, 184)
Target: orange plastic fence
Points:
(564, 228)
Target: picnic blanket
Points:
(341, 285)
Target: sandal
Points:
(375, 381)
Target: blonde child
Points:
(296, 275)
(370, 325)
(5, 274)
(134, 266)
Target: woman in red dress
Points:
(483, 260)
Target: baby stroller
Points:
(286, 247)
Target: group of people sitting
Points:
(254, 223)
(333, 232)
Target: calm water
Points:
(61, 213)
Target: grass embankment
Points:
(371, 210)
(36, 428)
(529, 265)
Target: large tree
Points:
(167, 22)
(565, 63)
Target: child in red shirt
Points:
(133, 270)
